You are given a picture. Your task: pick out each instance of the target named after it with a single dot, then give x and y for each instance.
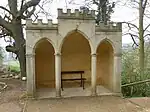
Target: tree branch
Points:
(4, 32)
(147, 27)
(144, 5)
(94, 2)
(146, 35)
(131, 25)
(3, 35)
(132, 36)
(13, 6)
(29, 13)
(5, 24)
(1, 7)
(21, 4)
(28, 5)
(10, 40)
(12, 49)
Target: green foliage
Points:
(14, 66)
(105, 9)
(1, 53)
(131, 73)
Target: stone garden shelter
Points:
(74, 45)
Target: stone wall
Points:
(74, 24)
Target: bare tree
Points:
(11, 26)
(140, 32)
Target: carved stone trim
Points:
(94, 55)
(117, 54)
(30, 55)
(57, 54)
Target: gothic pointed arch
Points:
(76, 56)
(105, 64)
(44, 64)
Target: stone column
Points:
(117, 73)
(93, 72)
(58, 74)
(30, 71)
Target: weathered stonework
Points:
(76, 15)
(68, 23)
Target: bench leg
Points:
(83, 84)
(81, 81)
(62, 85)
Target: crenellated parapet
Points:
(110, 27)
(77, 14)
(39, 25)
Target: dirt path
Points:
(10, 98)
(10, 101)
(142, 102)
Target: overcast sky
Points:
(121, 13)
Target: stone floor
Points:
(70, 92)
(84, 104)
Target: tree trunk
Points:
(20, 45)
(141, 38)
(13, 25)
(22, 61)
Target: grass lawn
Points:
(14, 66)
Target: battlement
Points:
(89, 15)
(39, 25)
(110, 27)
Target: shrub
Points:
(131, 73)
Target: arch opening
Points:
(44, 65)
(105, 64)
(76, 57)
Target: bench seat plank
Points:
(72, 72)
(73, 79)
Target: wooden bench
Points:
(73, 79)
